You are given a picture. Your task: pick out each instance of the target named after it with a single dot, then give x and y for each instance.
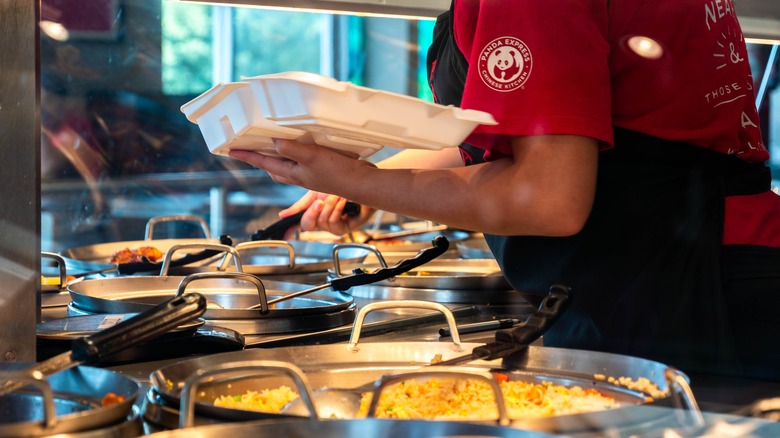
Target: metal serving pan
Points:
(231, 295)
(97, 257)
(78, 391)
(353, 365)
(370, 427)
(77, 395)
(281, 257)
(337, 366)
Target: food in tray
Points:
(472, 399)
(642, 384)
(55, 281)
(266, 400)
(136, 255)
(111, 399)
(444, 398)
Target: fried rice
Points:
(448, 399)
(470, 399)
(267, 400)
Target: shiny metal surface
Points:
(452, 275)
(293, 257)
(100, 253)
(348, 429)
(79, 392)
(338, 366)
(228, 298)
(447, 296)
(415, 8)
(20, 138)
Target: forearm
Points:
(546, 188)
(513, 197)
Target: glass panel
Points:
(765, 64)
(186, 48)
(116, 149)
(268, 41)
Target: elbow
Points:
(547, 219)
(563, 225)
(564, 219)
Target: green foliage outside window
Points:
(268, 41)
(186, 48)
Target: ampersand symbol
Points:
(735, 58)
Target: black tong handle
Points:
(276, 230)
(142, 327)
(512, 340)
(440, 246)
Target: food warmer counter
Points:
(423, 331)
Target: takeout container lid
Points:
(310, 108)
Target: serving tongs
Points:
(513, 340)
(94, 348)
(277, 230)
(365, 237)
(439, 246)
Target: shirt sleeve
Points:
(538, 67)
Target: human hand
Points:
(319, 169)
(307, 165)
(326, 212)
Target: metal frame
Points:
(20, 217)
(389, 8)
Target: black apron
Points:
(646, 268)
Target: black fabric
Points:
(751, 282)
(646, 268)
(649, 273)
(447, 68)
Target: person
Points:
(627, 163)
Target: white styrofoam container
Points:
(229, 117)
(310, 108)
(318, 103)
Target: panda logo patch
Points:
(505, 64)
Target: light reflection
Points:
(645, 47)
(54, 30)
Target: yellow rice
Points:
(453, 399)
(267, 400)
(471, 399)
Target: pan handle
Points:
(411, 304)
(37, 379)
(60, 265)
(241, 368)
(228, 250)
(370, 248)
(682, 395)
(440, 246)
(264, 308)
(149, 234)
(142, 327)
(264, 244)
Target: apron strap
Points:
(447, 69)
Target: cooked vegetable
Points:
(136, 255)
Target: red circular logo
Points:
(505, 64)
